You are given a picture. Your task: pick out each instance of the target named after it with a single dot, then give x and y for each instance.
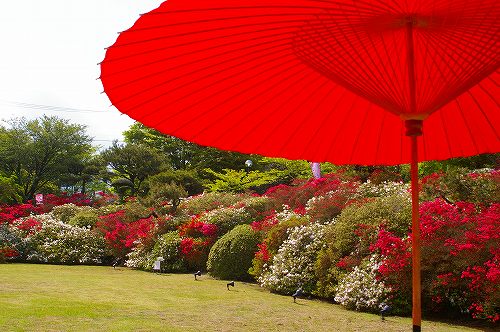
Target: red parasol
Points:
(341, 81)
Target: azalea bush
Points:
(208, 201)
(10, 243)
(461, 257)
(9, 213)
(274, 229)
(370, 189)
(480, 186)
(226, 218)
(349, 236)
(65, 212)
(293, 266)
(329, 205)
(197, 237)
(121, 236)
(47, 240)
(167, 246)
(301, 191)
(362, 289)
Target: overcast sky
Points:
(49, 51)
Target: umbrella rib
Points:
(197, 32)
(281, 123)
(248, 114)
(147, 89)
(451, 85)
(313, 111)
(173, 114)
(158, 73)
(447, 138)
(466, 123)
(356, 140)
(239, 41)
(222, 91)
(379, 138)
(382, 87)
(352, 85)
(327, 120)
(337, 133)
(382, 7)
(484, 115)
(222, 18)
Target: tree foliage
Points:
(133, 162)
(37, 153)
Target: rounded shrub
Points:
(231, 256)
(87, 217)
(65, 212)
(226, 218)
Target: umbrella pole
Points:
(413, 130)
(415, 240)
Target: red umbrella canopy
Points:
(318, 80)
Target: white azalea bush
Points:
(293, 266)
(388, 188)
(49, 240)
(360, 289)
(167, 247)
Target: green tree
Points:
(9, 191)
(133, 162)
(83, 173)
(38, 152)
(182, 154)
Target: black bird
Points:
(197, 273)
(384, 310)
(298, 293)
(230, 284)
(116, 263)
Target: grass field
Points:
(89, 298)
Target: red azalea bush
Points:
(13, 212)
(10, 213)
(324, 208)
(6, 253)
(197, 239)
(301, 191)
(121, 236)
(460, 259)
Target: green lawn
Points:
(89, 298)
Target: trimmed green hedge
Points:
(231, 256)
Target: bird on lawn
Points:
(298, 293)
(384, 310)
(197, 274)
(230, 284)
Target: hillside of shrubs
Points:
(342, 238)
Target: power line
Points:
(48, 107)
